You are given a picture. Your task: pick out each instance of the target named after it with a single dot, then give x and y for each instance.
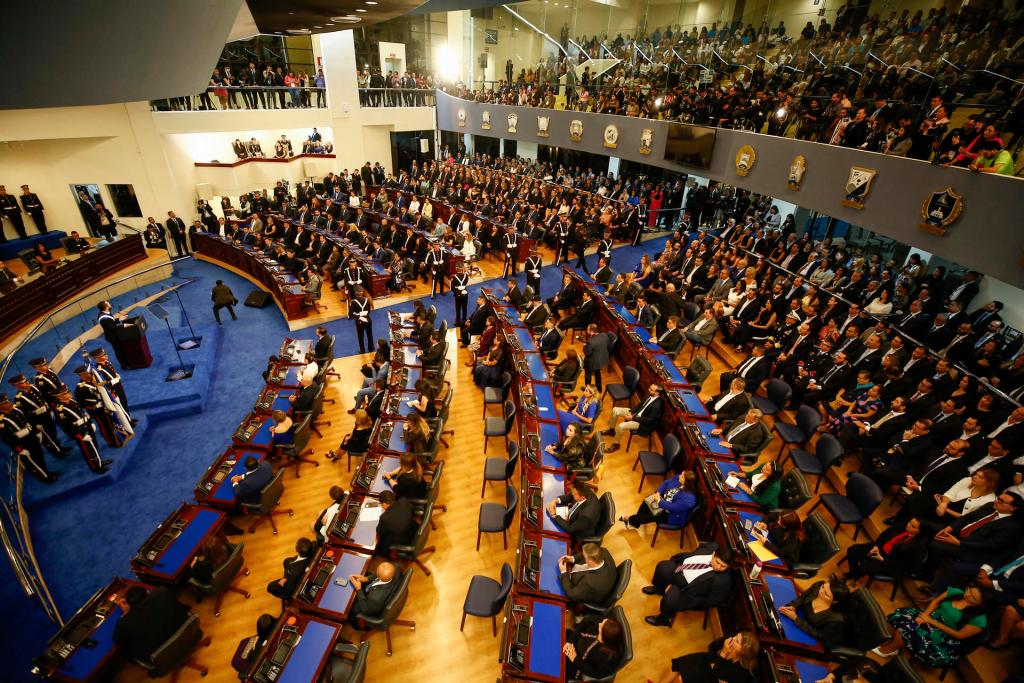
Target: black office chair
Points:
(862, 496)
(495, 517)
(807, 422)
(500, 469)
(439, 424)
(819, 546)
(794, 492)
(607, 520)
(900, 670)
(296, 452)
(866, 626)
(691, 311)
(623, 572)
(657, 464)
(587, 428)
(694, 345)
(778, 394)
(697, 372)
(486, 597)
(827, 450)
(569, 385)
(411, 554)
(497, 395)
(432, 493)
(316, 411)
(660, 526)
(430, 450)
(619, 615)
(176, 651)
(222, 579)
(392, 610)
(626, 389)
(325, 361)
(500, 426)
(264, 510)
(347, 663)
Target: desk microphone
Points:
(530, 543)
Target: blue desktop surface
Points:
(549, 434)
(525, 339)
(224, 492)
(551, 550)
(262, 437)
(626, 315)
(82, 662)
(714, 442)
(181, 550)
(693, 404)
(364, 531)
(546, 635)
(546, 409)
(646, 335)
(387, 463)
(281, 402)
(334, 597)
(810, 672)
(303, 664)
(553, 486)
(538, 372)
(396, 442)
(727, 468)
(675, 375)
(783, 592)
(754, 519)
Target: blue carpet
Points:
(87, 536)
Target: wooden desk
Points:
(319, 593)
(254, 433)
(542, 658)
(362, 534)
(544, 550)
(214, 489)
(166, 554)
(296, 650)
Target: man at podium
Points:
(111, 324)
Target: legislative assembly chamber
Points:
(651, 341)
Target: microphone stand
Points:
(193, 341)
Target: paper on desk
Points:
(762, 553)
(732, 481)
(562, 511)
(370, 514)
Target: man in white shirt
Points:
(728, 406)
(691, 581)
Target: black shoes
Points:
(658, 620)
(651, 590)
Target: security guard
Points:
(359, 308)
(460, 288)
(510, 242)
(90, 397)
(532, 267)
(47, 381)
(604, 248)
(31, 402)
(33, 207)
(353, 278)
(11, 210)
(75, 422)
(435, 263)
(107, 374)
(17, 432)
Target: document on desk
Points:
(368, 514)
(732, 481)
(562, 511)
(761, 552)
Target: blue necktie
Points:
(1002, 571)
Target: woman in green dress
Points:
(763, 484)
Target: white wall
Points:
(992, 289)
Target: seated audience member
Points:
(898, 551)
(294, 569)
(746, 436)
(358, 440)
(593, 648)
(211, 554)
(728, 660)
(585, 409)
(249, 648)
(568, 368)
(672, 503)
(571, 450)
(764, 485)
(855, 671)
(730, 405)
(76, 244)
(589, 575)
(819, 611)
(150, 618)
(406, 480)
(578, 513)
(783, 534)
(643, 419)
(44, 258)
(249, 486)
(691, 581)
(971, 541)
(322, 525)
(396, 525)
(372, 592)
(487, 372)
(933, 636)
(1007, 584)
(417, 434)
(282, 433)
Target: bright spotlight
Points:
(448, 64)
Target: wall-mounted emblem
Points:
(797, 168)
(575, 130)
(462, 118)
(542, 126)
(940, 210)
(858, 186)
(486, 123)
(513, 121)
(746, 157)
(646, 140)
(611, 136)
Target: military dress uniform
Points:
(511, 244)
(359, 308)
(460, 288)
(75, 422)
(32, 403)
(353, 279)
(11, 210)
(604, 250)
(562, 242)
(107, 374)
(33, 207)
(17, 432)
(47, 381)
(435, 263)
(532, 268)
(90, 397)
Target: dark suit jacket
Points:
(749, 440)
(905, 557)
(550, 341)
(650, 417)
(433, 356)
(375, 405)
(395, 526)
(735, 408)
(671, 341)
(252, 483)
(711, 589)
(584, 520)
(294, 569)
(149, 624)
(941, 478)
(991, 540)
(596, 352)
(370, 601)
(593, 585)
(304, 400)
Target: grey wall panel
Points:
(989, 235)
(109, 51)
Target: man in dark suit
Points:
(223, 297)
(754, 369)
(550, 339)
(977, 538)
(372, 592)
(747, 435)
(890, 466)
(671, 339)
(691, 581)
(988, 313)
(395, 526)
(433, 356)
(883, 430)
(582, 512)
(248, 486)
(589, 575)
(730, 405)
(583, 314)
(376, 403)
(915, 322)
(596, 355)
(933, 476)
(537, 313)
(322, 346)
(294, 569)
(149, 619)
(111, 326)
(302, 402)
(643, 419)
(474, 325)
(178, 231)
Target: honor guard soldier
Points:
(510, 242)
(12, 212)
(562, 241)
(641, 222)
(435, 264)
(75, 422)
(532, 268)
(460, 288)
(33, 207)
(17, 432)
(47, 380)
(108, 375)
(353, 278)
(359, 308)
(89, 396)
(604, 249)
(111, 325)
(32, 403)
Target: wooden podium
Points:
(134, 347)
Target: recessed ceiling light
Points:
(318, 27)
(299, 31)
(347, 19)
(370, 2)
(360, 9)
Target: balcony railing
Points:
(226, 98)
(396, 97)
